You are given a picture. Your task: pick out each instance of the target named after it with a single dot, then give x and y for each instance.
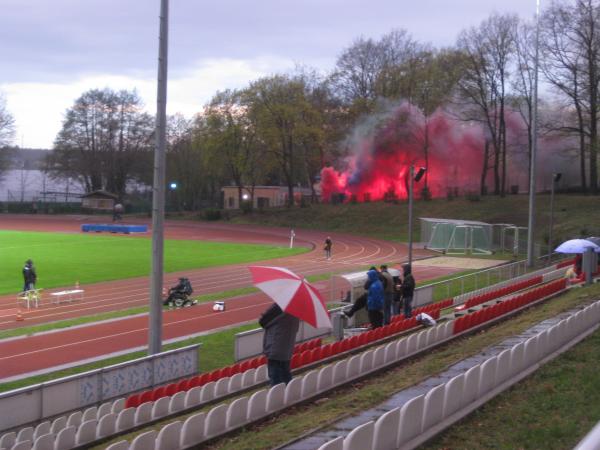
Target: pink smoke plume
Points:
(383, 147)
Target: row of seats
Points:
(408, 425)
(242, 411)
(488, 313)
(486, 297)
(63, 432)
(152, 395)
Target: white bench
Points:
(67, 296)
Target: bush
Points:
(211, 214)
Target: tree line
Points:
(284, 128)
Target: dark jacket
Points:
(280, 333)
(408, 283)
(375, 292)
(29, 275)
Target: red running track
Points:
(51, 350)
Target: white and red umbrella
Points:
(292, 293)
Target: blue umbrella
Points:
(576, 246)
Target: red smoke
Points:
(383, 147)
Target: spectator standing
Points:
(408, 289)
(375, 299)
(29, 276)
(388, 286)
(278, 343)
(327, 248)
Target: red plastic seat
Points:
(133, 401)
(158, 393)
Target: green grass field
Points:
(63, 259)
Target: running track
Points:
(37, 353)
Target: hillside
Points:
(574, 215)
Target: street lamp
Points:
(555, 179)
(413, 178)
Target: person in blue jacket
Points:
(375, 299)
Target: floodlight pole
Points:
(410, 212)
(532, 184)
(555, 178)
(158, 195)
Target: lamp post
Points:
(531, 222)
(555, 179)
(413, 178)
(158, 194)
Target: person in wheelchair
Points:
(179, 295)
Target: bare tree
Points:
(483, 87)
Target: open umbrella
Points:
(595, 240)
(576, 246)
(292, 293)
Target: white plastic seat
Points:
(177, 402)
(143, 413)
(192, 431)
(125, 419)
(325, 378)
(208, 392)
(471, 385)
(453, 394)
(86, 432)
(360, 438)
(145, 441)
(89, 414)
(106, 425)
(104, 409)
(192, 397)
(309, 384)
(8, 440)
(237, 413)
(58, 424)
(168, 436)
(121, 445)
(433, 408)
(366, 361)
(74, 419)
(335, 444)
(353, 367)
(65, 439)
(222, 387)
(378, 357)
(487, 377)
(257, 405)
(261, 375)
(275, 398)
(411, 420)
(339, 372)
(22, 445)
(390, 352)
(118, 405)
(411, 344)
(248, 378)
(44, 442)
(161, 408)
(293, 391)
(25, 434)
(386, 430)
(215, 421)
(235, 383)
(41, 429)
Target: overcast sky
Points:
(54, 50)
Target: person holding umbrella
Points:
(295, 299)
(278, 343)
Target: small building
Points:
(99, 200)
(264, 196)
